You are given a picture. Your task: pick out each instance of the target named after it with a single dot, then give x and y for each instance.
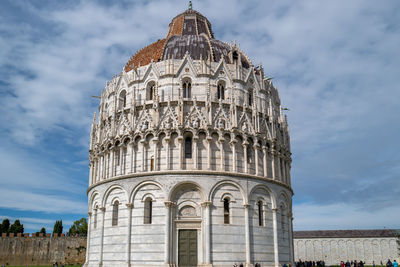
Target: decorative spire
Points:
(190, 5)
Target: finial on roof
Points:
(190, 5)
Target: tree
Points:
(58, 227)
(16, 227)
(79, 227)
(5, 226)
(43, 231)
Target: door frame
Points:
(187, 225)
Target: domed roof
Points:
(188, 32)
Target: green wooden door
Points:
(187, 248)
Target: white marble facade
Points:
(334, 250)
(190, 144)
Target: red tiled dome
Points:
(188, 32)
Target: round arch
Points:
(180, 185)
(92, 197)
(109, 190)
(266, 188)
(140, 185)
(228, 182)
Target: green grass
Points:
(43, 266)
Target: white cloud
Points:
(40, 202)
(335, 64)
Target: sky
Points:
(336, 65)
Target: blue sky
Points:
(336, 65)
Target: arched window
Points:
(151, 88)
(250, 100)
(221, 91)
(122, 100)
(260, 213)
(148, 210)
(187, 89)
(226, 211)
(235, 57)
(117, 156)
(188, 147)
(95, 217)
(249, 155)
(115, 213)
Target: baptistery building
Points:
(189, 158)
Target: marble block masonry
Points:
(190, 158)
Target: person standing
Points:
(395, 264)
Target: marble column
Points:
(129, 207)
(90, 173)
(155, 150)
(95, 170)
(100, 167)
(247, 234)
(106, 160)
(103, 213)
(167, 237)
(196, 152)
(222, 154)
(112, 162)
(209, 140)
(290, 230)
(265, 162)
(234, 156)
(104, 166)
(121, 160)
(132, 149)
(255, 147)
(143, 155)
(89, 230)
(207, 232)
(273, 164)
(167, 152)
(275, 230)
(180, 148)
(246, 161)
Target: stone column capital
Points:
(246, 206)
(169, 204)
(89, 213)
(206, 204)
(129, 205)
(103, 209)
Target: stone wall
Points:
(343, 245)
(42, 250)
